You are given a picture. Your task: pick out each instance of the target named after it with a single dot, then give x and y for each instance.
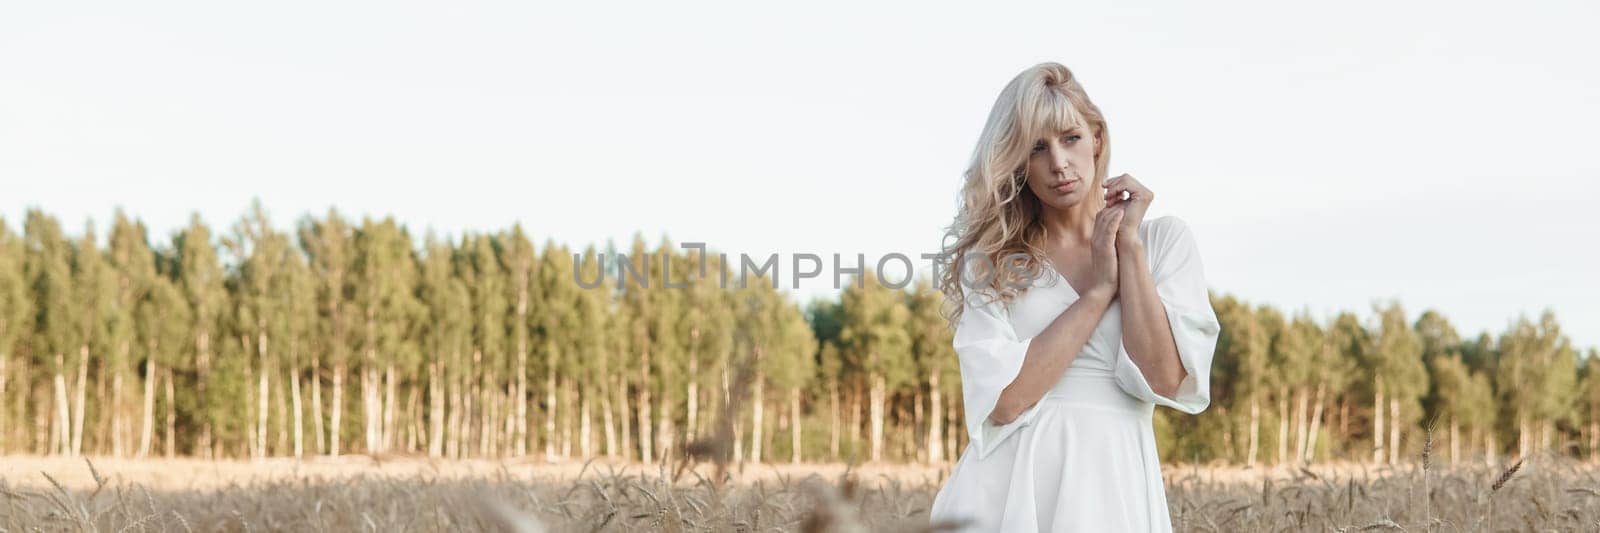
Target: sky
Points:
(1328, 156)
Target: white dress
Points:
(1084, 457)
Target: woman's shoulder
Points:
(1163, 232)
(987, 299)
(1163, 226)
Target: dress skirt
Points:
(1085, 462)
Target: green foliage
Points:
(471, 321)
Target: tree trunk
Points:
(468, 389)
(1394, 429)
(435, 410)
(646, 443)
(509, 434)
(147, 422)
(571, 399)
(453, 417)
(202, 364)
(1316, 423)
(664, 428)
(371, 406)
(953, 430)
(624, 416)
(118, 444)
(550, 409)
(1302, 422)
(1283, 425)
(1344, 415)
(1522, 435)
(262, 393)
(1455, 440)
(480, 407)
(833, 417)
(1255, 432)
(338, 409)
(693, 395)
(297, 409)
(608, 418)
(1594, 436)
(102, 419)
(519, 431)
(391, 409)
(172, 419)
(80, 400)
(738, 420)
(281, 414)
(318, 433)
(413, 414)
(61, 437)
(856, 404)
(797, 442)
(1377, 420)
(584, 443)
(1546, 434)
(1490, 447)
(879, 391)
(935, 420)
(910, 443)
(757, 403)
(4, 408)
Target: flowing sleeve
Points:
(1181, 284)
(991, 357)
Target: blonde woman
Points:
(1074, 317)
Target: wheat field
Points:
(1540, 493)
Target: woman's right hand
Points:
(1103, 249)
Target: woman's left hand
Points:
(1133, 208)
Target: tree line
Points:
(343, 336)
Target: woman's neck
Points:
(1068, 228)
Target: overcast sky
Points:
(1327, 155)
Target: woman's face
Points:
(1061, 168)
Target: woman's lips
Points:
(1066, 187)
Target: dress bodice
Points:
(1045, 299)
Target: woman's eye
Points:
(1073, 138)
(1038, 147)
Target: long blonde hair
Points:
(997, 221)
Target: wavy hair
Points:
(996, 240)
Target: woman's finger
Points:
(1109, 223)
(1115, 193)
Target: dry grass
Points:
(56, 494)
(701, 490)
(1542, 493)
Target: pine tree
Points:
(200, 278)
(933, 344)
(328, 245)
(876, 337)
(133, 265)
(48, 271)
(518, 260)
(385, 281)
(555, 324)
(16, 323)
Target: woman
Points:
(1076, 317)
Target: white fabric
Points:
(1084, 457)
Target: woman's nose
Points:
(1061, 159)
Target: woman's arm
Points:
(1146, 333)
(1051, 352)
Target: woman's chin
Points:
(1063, 201)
